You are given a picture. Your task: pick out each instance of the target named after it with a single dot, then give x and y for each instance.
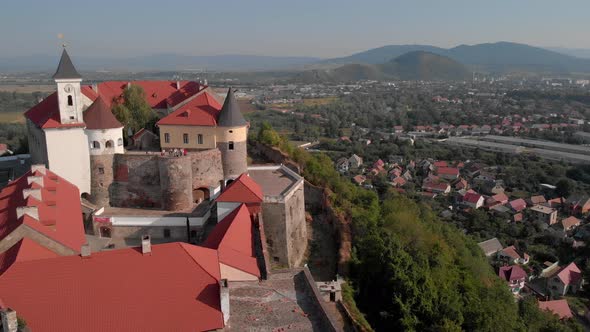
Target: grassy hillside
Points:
(420, 65)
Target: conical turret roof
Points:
(66, 68)
(100, 116)
(230, 115)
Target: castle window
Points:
(185, 138)
(167, 138)
(120, 142)
(109, 144)
(166, 233)
(101, 170)
(230, 145)
(200, 139)
(231, 131)
(95, 145)
(70, 100)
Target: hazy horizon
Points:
(305, 28)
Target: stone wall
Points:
(101, 179)
(328, 321)
(136, 181)
(207, 168)
(296, 226)
(175, 175)
(235, 162)
(153, 181)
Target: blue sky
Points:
(322, 28)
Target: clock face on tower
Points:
(68, 88)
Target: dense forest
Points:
(410, 271)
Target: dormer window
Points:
(70, 100)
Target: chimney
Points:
(9, 320)
(85, 250)
(177, 85)
(31, 211)
(95, 88)
(146, 245)
(36, 193)
(38, 167)
(224, 299)
(36, 179)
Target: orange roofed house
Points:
(40, 217)
(166, 287)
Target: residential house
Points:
(398, 129)
(557, 307)
(398, 182)
(536, 200)
(355, 162)
(555, 202)
(490, 247)
(460, 184)
(498, 199)
(440, 163)
(544, 214)
(515, 276)
(511, 255)
(578, 205)
(437, 187)
(517, 205)
(492, 187)
(570, 223)
(342, 165)
(473, 200)
(407, 176)
(567, 280)
(359, 179)
(448, 173)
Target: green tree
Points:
(563, 187)
(132, 109)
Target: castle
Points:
(168, 190)
(74, 133)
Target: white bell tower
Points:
(69, 92)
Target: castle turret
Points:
(69, 92)
(232, 133)
(105, 138)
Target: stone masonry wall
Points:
(137, 180)
(101, 179)
(175, 183)
(235, 162)
(207, 168)
(296, 226)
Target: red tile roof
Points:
(203, 110)
(558, 307)
(570, 274)
(511, 252)
(440, 163)
(569, 222)
(472, 197)
(175, 288)
(100, 116)
(517, 204)
(243, 189)
(447, 171)
(46, 114)
(60, 214)
(159, 94)
(511, 273)
(233, 239)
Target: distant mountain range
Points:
(490, 57)
(414, 65)
(501, 56)
(158, 62)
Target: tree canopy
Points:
(132, 110)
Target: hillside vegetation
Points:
(416, 65)
(410, 270)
